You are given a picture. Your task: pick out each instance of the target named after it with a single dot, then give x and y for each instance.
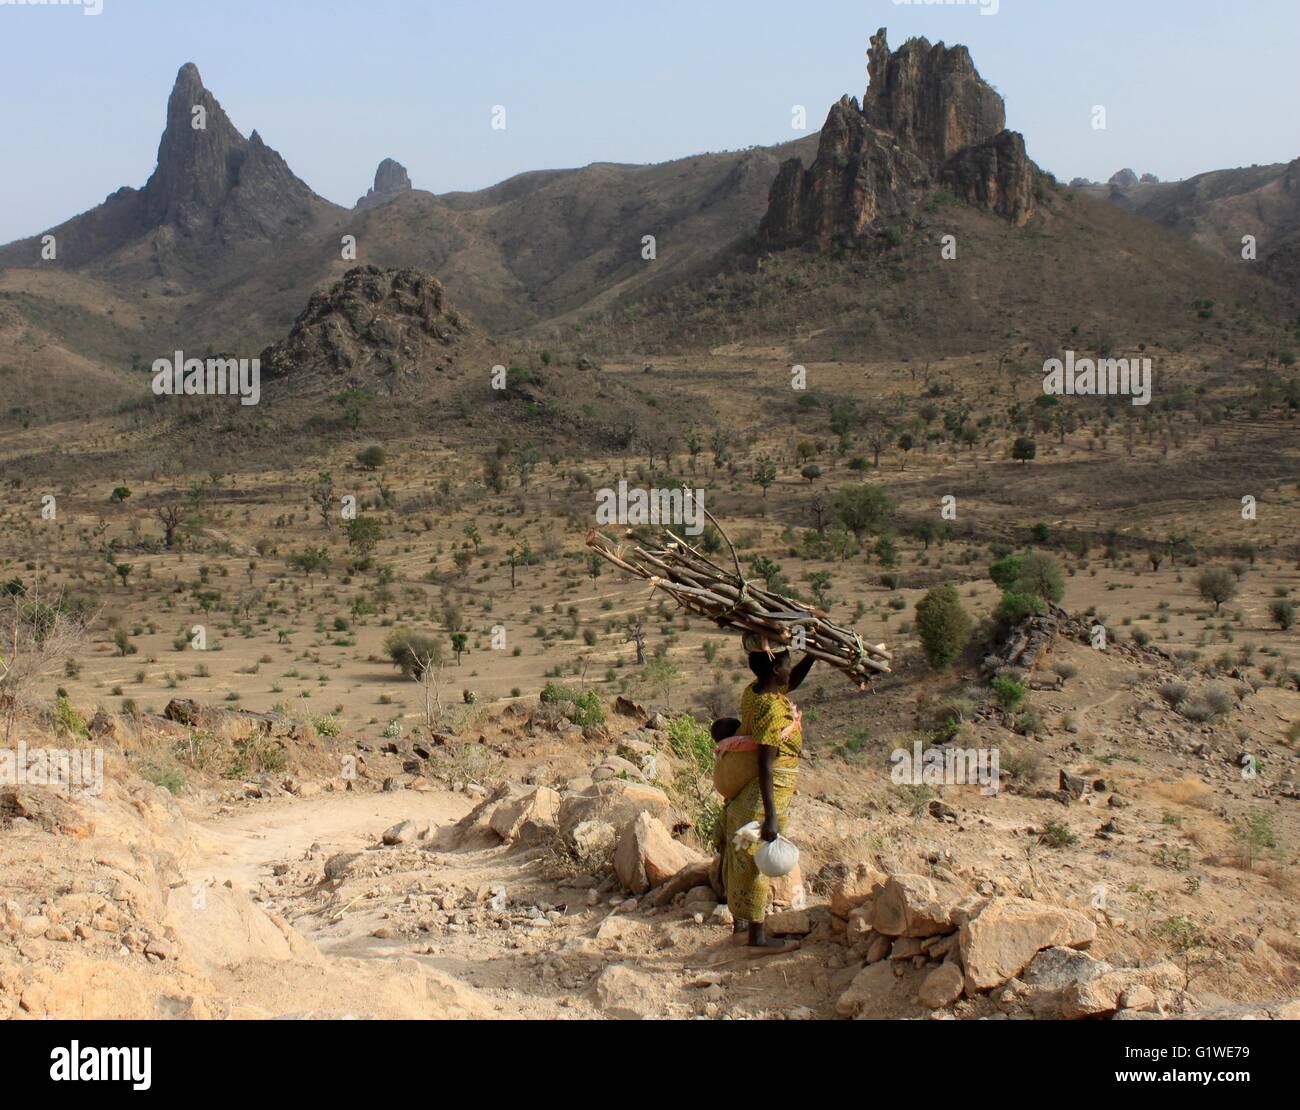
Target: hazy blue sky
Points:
(337, 85)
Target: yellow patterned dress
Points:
(771, 720)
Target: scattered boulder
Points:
(1137, 988)
(401, 833)
(1001, 938)
(856, 887)
(528, 818)
(339, 864)
(1053, 972)
(594, 841)
(789, 923)
(942, 987)
(687, 879)
(615, 801)
(647, 855)
(915, 906)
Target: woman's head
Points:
(770, 669)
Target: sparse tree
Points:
(905, 444)
(636, 635)
(862, 508)
(364, 534)
(1216, 585)
(764, 473)
(322, 495)
(171, 516)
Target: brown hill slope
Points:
(1217, 209)
(224, 244)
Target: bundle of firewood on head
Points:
(705, 589)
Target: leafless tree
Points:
(430, 672)
(636, 635)
(171, 517)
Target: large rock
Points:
(1053, 972)
(1137, 988)
(926, 119)
(528, 818)
(475, 828)
(592, 842)
(647, 855)
(914, 906)
(688, 878)
(614, 801)
(999, 940)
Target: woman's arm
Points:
(766, 757)
(800, 671)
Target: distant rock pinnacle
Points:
(391, 180)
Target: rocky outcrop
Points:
(928, 121)
(391, 181)
(1124, 179)
(373, 324)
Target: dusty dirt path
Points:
(244, 845)
(424, 901)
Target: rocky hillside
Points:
(927, 122)
(224, 244)
(1217, 209)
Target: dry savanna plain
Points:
(293, 739)
(372, 726)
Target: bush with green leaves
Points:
(67, 721)
(1040, 575)
(328, 725)
(1008, 691)
(943, 625)
(372, 458)
(1016, 607)
(587, 708)
(412, 651)
(1006, 570)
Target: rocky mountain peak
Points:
(927, 121)
(931, 97)
(210, 180)
(391, 180)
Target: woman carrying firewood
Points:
(757, 772)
